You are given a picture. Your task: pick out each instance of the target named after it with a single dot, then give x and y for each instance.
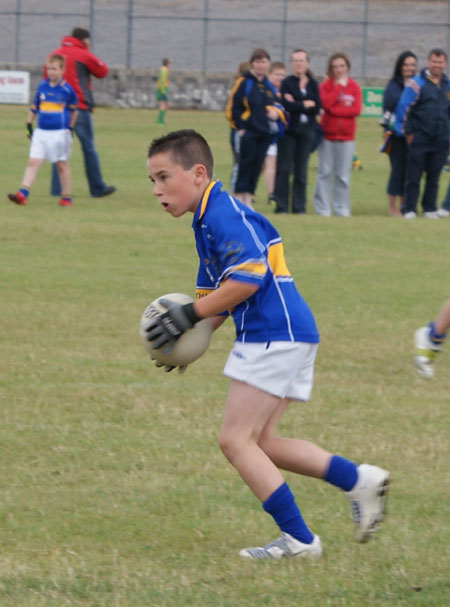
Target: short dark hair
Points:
(400, 61)
(165, 61)
(259, 53)
(438, 52)
(80, 33)
(187, 148)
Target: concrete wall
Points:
(136, 87)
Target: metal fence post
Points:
(365, 28)
(129, 32)
(205, 35)
(17, 45)
(283, 30)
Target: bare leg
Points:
(442, 323)
(64, 178)
(31, 171)
(270, 167)
(245, 198)
(298, 456)
(392, 208)
(247, 411)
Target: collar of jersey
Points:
(204, 201)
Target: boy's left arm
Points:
(168, 327)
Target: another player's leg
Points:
(246, 413)
(65, 180)
(428, 341)
(31, 171)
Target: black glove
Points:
(71, 130)
(166, 328)
(29, 129)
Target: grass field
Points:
(113, 492)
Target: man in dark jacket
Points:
(423, 116)
(81, 64)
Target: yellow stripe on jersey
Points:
(205, 197)
(51, 106)
(202, 292)
(229, 105)
(276, 260)
(250, 268)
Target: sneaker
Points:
(443, 213)
(409, 215)
(431, 215)
(64, 203)
(424, 353)
(110, 189)
(18, 198)
(368, 500)
(284, 546)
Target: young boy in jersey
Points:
(55, 105)
(162, 90)
(243, 273)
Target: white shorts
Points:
(272, 150)
(51, 145)
(285, 369)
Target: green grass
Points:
(113, 492)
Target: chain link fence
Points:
(216, 35)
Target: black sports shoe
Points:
(110, 189)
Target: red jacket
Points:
(341, 105)
(80, 64)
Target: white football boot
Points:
(284, 546)
(368, 500)
(424, 353)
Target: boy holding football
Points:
(243, 273)
(55, 105)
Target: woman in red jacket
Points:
(340, 98)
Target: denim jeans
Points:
(85, 133)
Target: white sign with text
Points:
(14, 87)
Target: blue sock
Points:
(24, 191)
(436, 338)
(341, 473)
(281, 505)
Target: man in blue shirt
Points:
(243, 274)
(422, 115)
(55, 105)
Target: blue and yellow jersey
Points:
(236, 242)
(52, 104)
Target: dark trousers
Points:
(85, 133)
(293, 154)
(397, 158)
(428, 157)
(253, 152)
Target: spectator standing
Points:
(235, 140)
(422, 115)
(162, 91)
(340, 97)
(255, 114)
(55, 105)
(277, 74)
(300, 97)
(405, 68)
(81, 64)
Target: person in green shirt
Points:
(162, 90)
